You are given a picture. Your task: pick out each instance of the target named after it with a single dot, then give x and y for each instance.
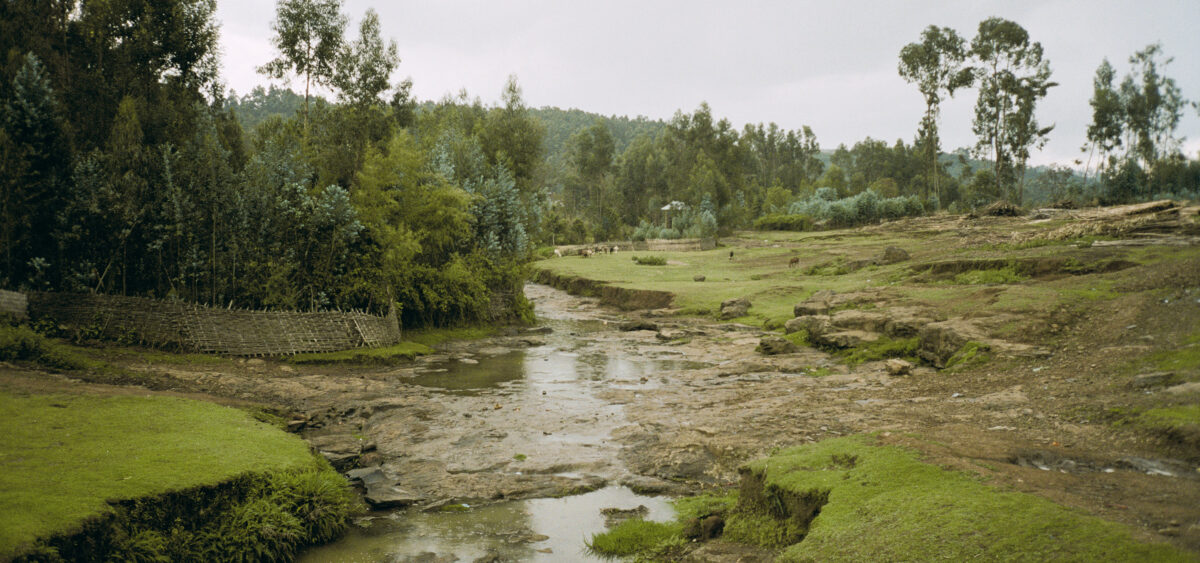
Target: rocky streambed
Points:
(507, 448)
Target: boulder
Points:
(811, 308)
(941, 340)
(1154, 379)
(905, 327)
(704, 528)
(638, 325)
(896, 366)
(817, 304)
(773, 345)
(669, 334)
(892, 255)
(645, 485)
(814, 324)
(342, 450)
(614, 516)
(845, 338)
(733, 308)
(1189, 388)
(380, 491)
(853, 319)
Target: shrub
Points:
(781, 222)
(650, 260)
(21, 343)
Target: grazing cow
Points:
(585, 252)
(615, 249)
(731, 255)
(794, 262)
(558, 253)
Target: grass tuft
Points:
(636, 536)
(649, 260)
(387, 355)
(883, 349)
(989, 277)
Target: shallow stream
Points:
(560, 384)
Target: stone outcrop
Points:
(851, 328)
(774, 345)
(379, 490)
(734, 308)
(892, 255)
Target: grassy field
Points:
(759, 271)
(64, 457)
(882, 503)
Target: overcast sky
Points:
(830, 65)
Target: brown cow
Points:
(794, 262)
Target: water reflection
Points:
(530, 530)
(463, 378)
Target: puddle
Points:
(462, 378)
(512, 530)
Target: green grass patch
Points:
(687, 508)
(883, 349)
(150, 356)
(851, 500)
(636, 537)
(989, 277)
(387, 355)
(22, 345)
(651, 540)
(971, 354)
(799, 338)
(431, 337)
(1184, 358)
(1180, 424)
(104, 449)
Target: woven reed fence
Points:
(214, 330)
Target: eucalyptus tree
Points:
(308, 36)
(590, 153)
(1108, 115)
(1153, 107)
(936, 65)
(364, 66)
(1013, 75)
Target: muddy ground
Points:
(677, 407)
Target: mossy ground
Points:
(387, 355)
(882, 503)
(888, 505)
(647, 539)
(63, 458)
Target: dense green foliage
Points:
(214, 482)
(126, 170)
